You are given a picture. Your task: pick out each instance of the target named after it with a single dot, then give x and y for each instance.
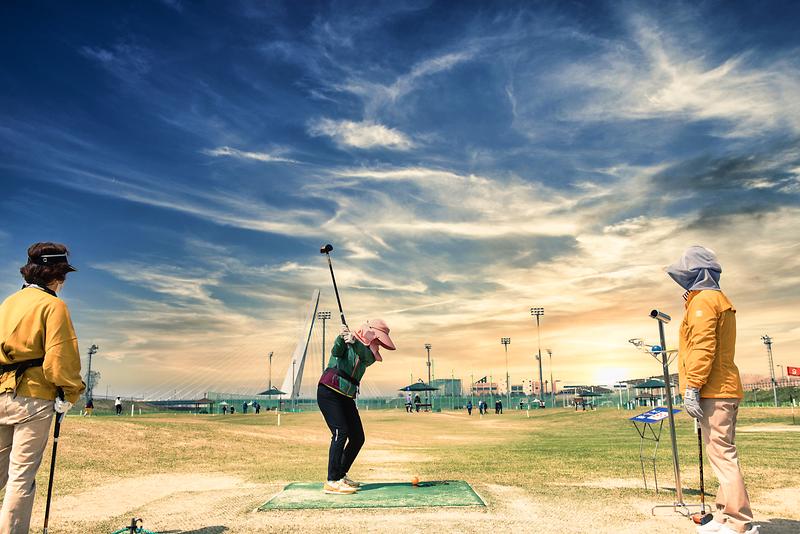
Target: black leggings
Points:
(347, 433)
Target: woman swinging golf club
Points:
(351, 354)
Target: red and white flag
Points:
(793, 371)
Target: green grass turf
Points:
(309, 495)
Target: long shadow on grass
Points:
(205, 530)
(780, 526)
(425, 484)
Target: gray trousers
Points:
(24, 429)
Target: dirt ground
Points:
(175, 491)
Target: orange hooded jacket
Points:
(707, 346)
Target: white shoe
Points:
(350, 482)
(711, 526)
(721, 528)
(337, 487)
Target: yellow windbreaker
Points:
(35, 324)
(707, 346)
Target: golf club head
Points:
(326, 249)
(660, 316)
(702, 519)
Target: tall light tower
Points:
(539, 312)
(428, 348)
(768, 342)
(505, 341)
(552, 383)
(89, 378)
(323, 316)
(269, 388)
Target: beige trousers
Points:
(719, 437)
(24, 429)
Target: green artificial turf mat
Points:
(309, 496)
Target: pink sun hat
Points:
(381, 330)
(376, 330)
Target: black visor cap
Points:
(52, 259)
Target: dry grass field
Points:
(557, 471)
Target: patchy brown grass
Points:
(557, 471)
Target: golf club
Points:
(56, 432)
(327, 249)
(702, 518)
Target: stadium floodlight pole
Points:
(552, 383)
(428, 348)
(323, 316)
(269, 386)
(452, 389)
(768, 342)
(89, 381)
(539, 312)
(505, 341)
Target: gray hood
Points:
(697, 269)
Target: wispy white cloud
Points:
(362, 135)
(658, 77)
(124, 60)
(377, 95)
(265, 157)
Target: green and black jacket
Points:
(347, 366)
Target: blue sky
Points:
(467, 160)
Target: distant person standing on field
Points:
(417, 402)
(469, 407)
(40, 372)
(118, 406)
(89, 408)
(710, 381)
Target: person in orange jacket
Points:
(710, 381)
(40, 373)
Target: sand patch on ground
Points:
(778, 501)
(117, 498)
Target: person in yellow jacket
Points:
(39, 363)
(710, 381)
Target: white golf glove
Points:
(62, 406)
(347, 335)
(691, 401)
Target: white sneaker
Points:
(711, 526)
(721, 528)
(350, 482)
(337, 487)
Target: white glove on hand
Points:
(691, 401)
(62, 406)
(347, 335)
